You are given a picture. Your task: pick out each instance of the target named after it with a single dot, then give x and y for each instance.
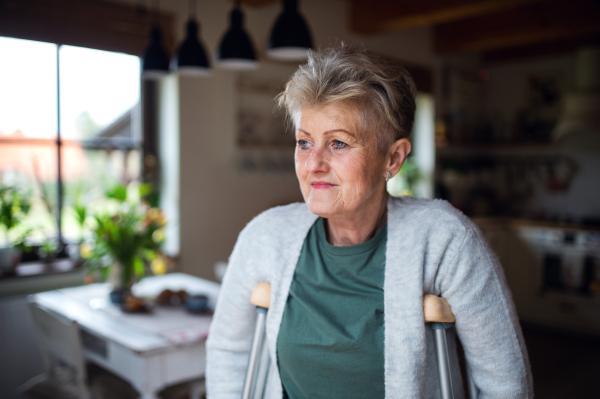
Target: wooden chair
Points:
(62, 353)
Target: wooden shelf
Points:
(497, 149)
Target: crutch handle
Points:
(258, 363)
(261, 295)
(437, 310)
(438, 314)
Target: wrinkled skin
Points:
(341, 172)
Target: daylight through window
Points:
(69, 118)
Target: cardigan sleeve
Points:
(231, 330)
(486, 321)
(268, 244)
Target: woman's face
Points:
(340, 171)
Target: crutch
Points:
(438, 315)
(258, 364)
(436, 312)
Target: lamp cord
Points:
(192, 9)
(155, 12)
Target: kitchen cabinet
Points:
(550, 270)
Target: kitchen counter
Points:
(513, 223)
(552, 269)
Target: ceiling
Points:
(498, 28)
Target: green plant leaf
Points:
(138, 266)
(118, 192)
(146, 189)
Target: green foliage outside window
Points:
(405, 182)
(15, 204)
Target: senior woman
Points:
(349, 267)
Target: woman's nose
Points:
(317, 162)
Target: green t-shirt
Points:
(330, 342)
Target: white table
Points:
(151, 351)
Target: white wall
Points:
(216, 199)
(169, 155)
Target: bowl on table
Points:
(199, 304)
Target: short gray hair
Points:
(383, 91)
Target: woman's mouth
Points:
(321, 185)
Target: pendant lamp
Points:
(236, 50)
(290, 38)
(155, 61)
(190, 58)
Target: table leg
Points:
(151, 381)
(196, 390)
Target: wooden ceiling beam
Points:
(535, 23)
(561, 46)
(368, 16)
(92, 23)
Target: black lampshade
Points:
(290, 38)
(191, 58)
(236, 50)
(155, 62)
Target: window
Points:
(416, 176)
(69, 129)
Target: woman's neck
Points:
(359, 227)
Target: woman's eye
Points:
(302, 143)
(339, 144)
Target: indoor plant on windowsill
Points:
(126, 240)
(79, 200)
(14, 207)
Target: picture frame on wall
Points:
(260, 124)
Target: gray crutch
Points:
(438, 314)
(258, 364)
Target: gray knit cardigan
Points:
(431, 249)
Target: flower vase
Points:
(74, 251)
(120, 288)
(9, 259)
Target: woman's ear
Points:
(396, 155)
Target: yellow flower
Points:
(153, 214)
(158, 266)
(158, 235)
(85, 251)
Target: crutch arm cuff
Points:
(261, 295)
(436, 309)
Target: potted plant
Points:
(125, 241)
(79, 206)
(48, 249)
(14, 207)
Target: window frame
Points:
(98, 25)
(124, 144)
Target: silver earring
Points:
(388, 175)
